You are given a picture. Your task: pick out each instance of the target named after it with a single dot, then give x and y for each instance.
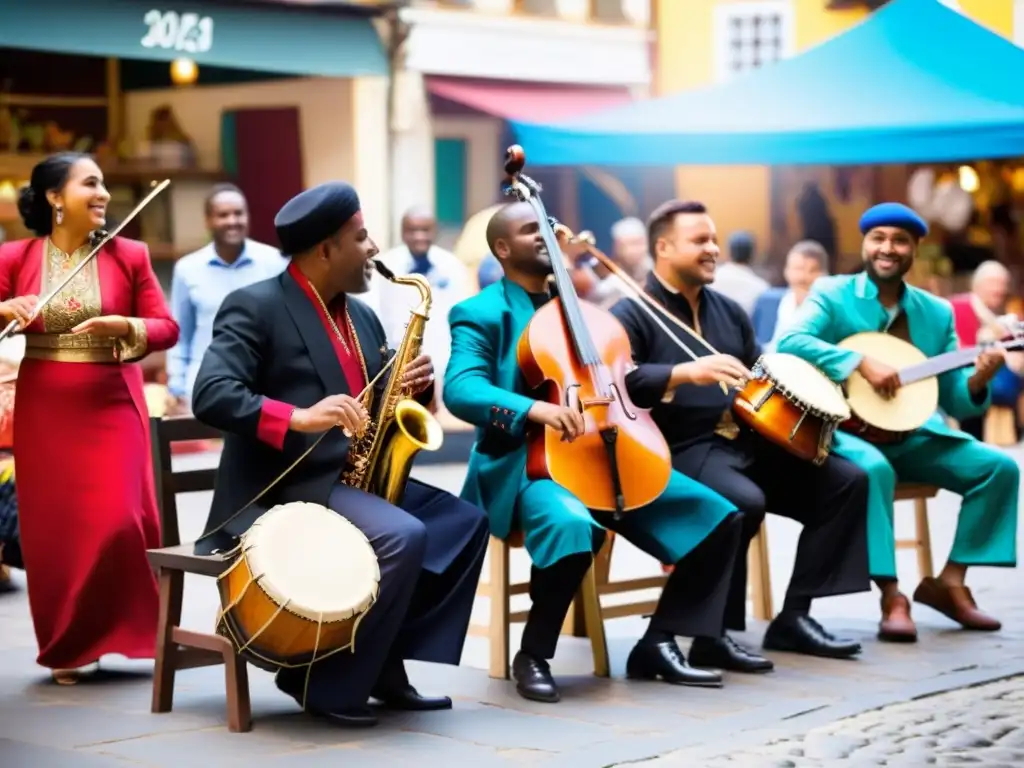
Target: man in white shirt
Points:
(735, 278)
(630, 252)
(204, 278)
(449, 282)
(805, 263)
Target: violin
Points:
(577, 355)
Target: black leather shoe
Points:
(664, 660)
(726, 653)
(799, 633)
(393, 691)
(357, 717)
(533, 678)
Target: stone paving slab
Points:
(979, 725)
(598, 723)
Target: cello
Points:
(577, 355)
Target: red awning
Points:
(527, 102)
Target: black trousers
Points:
(830, 502)
(430, 551)
(693, 602)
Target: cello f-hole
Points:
(622, 403)
(572, 398)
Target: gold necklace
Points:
(334, 325)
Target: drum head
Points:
(313, 561)
(913, 405)
(807, 384)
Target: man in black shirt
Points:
(694, 413)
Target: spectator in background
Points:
(630, 252)
(203, 279)
(489, 271)
(816, 220)
(978, 318)
(775, 309)
(734, 277)
(449, 284)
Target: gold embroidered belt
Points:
(70, 348)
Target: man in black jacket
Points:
(288, 360)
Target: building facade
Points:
(468, 66)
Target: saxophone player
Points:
(288, 360)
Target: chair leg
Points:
(760, 576)
(499, 597)
(595, 623)
(236, 683)
(924, 539)
(171, 587)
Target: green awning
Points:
(290, 40)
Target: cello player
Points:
(688, 525)
(695, 415)
(879, 299)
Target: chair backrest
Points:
(164, 433)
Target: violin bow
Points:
(15, 326)
(645, 302)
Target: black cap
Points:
(312, 216)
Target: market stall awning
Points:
(281, 40)
(528, 102)
(914, 82)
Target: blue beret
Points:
(893, 215)
(312, 216)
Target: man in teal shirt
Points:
(878, 299)
(689, 525)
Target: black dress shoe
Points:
(408, 699)
(799, 633)
(393, 691)
(357, 717)
(726, 653)
(354, 717)
(663, 660)
(533, 678)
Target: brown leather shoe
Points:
(896, 625)
(955, 602)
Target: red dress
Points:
(87, 506)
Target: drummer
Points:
(694, 414)
(988, 479)
(274, 385)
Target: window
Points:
(748, 35)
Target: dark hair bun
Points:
(48, 174)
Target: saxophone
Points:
(380, 458)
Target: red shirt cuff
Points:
(275, 417)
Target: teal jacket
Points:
(841, 306)
(483, 386)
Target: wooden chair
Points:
(179, 648)
(498, 589)
(760, 571)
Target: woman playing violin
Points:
(85, 484)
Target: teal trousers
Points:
(555, 524)
(986, 478)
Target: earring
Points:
(60, 215)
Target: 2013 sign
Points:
(186, 32)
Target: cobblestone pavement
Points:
(980, 725)
(600, 722)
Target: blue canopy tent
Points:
(915, 82)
